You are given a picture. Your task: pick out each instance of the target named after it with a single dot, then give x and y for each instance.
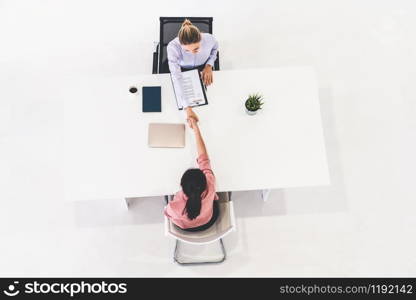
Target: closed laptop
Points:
(166, 135)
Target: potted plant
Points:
(253, 103)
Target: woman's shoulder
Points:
(174, 43)
(179, 197)
(178, 202)
(208, 39)
(207, 36)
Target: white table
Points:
(106, 151)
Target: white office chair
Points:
(224, 224)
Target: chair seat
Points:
(223, 225)
(213, 233)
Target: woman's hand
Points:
(206, 75)
(191, 114)
(192, 123)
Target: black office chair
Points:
(169, 27)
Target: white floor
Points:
(364, 224)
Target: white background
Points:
(364, 55)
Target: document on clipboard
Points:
(189, 89)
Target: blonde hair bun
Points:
(186, 23)
(189, 33)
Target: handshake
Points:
(192, 118)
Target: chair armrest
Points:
(155, 60)
(168, 198)
(217, 62)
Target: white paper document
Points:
(189, 89)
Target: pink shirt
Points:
(175, 208)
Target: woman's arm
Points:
(214, 50)
(207, 76)
(176, 72)
(203, 159)
(191, 114)
(200, 145)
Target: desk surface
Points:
(106, 152)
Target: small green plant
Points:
(254, 102)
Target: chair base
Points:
(177, 259)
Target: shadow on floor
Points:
(147, 210)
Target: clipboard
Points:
(190, 85)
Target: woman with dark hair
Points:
(194, 207)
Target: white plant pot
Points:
(250, 112)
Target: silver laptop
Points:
(165, 135)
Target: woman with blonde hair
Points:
(192, 49)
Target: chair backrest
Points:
(169, 28)
(223, 226)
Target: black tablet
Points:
(152, 101)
